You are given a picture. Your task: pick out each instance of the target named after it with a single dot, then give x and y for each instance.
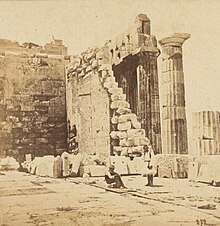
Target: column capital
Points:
(176, 40)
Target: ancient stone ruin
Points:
(104, 101)
(206, 133)
(173, 104)
(114, 90)
(32, 99)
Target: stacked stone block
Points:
(32, 111)
(136, 36)
(123, 129)
(134, 61)
(127, 136)
(88, 102)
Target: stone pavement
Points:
(30, 200)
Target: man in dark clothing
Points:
(113, 178)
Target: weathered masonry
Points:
(100, 119)
(87, 105)
(32, 98)
(104, 101)
(134, 62)
(114, 90)
(206, 133)
(174, 126)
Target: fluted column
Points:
(174, 127)
(148, 97)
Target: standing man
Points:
(113, 178)
(151, 168)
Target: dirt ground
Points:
(30, 200)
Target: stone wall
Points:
(32, 101)
(131, 58)
(55, 47)
(100, 118)
(87, 108)
(87, 104)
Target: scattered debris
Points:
(9, 163)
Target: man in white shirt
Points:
(150, 164)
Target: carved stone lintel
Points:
(144, 49)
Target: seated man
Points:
(113, 178)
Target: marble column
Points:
(174, 126)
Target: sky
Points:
(85, 23)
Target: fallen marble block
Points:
(110, 85)
(136, 125)
(116, 91)
(118, 97)
(144, 141)
(120, 163)
(123, 142)
(123, 111)
(135, 133)
(113, 135)
(127, 117)
(121, 134)
(119, 104)
(124, 126)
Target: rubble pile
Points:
(89, 61)
(173, 165)
(47, 166)
(124, 165)
(8, 163)
(66, 165)
(127, 136)
(205, 168)
(93, 165)
(85, 165)
(71, 164)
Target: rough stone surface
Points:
(32, 101)
(98, 109)
(134, 62)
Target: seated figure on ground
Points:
(114, 179)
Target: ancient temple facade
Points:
(134, 62)
(105, 100)
(131, 62)
(174, 124)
